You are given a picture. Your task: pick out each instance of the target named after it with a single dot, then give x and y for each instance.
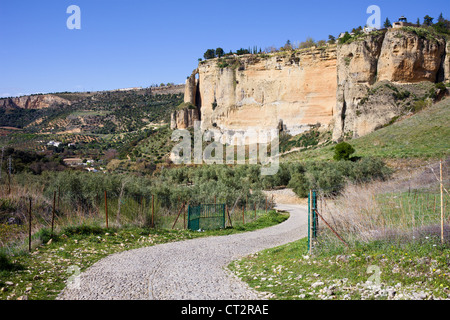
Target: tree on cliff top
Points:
(219, 52)
(427, 20)
(387, 23)
(331, 39)
(210, 54)
(242, 51)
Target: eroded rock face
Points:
(356, 72)
(33, 102)
(376, 73)
(259, 91)
(190, 91)
(183, 119)
(407, 58)
(446, 63)
(352, 89)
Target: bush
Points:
(45, 235)
(343, 151)
(440, 86)
(346, 38)
(331, 177)
(84, 230)
(7, 265)
(299, 184)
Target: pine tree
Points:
(331, 39)
(427, 20)
(219, 52)
(387, 23)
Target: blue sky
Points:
(138, 43)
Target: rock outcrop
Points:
(259, 91)
(190, 91)
(352, 89)
(376, 72)
(189, 112)
(33, 102)
(356, 71)
(446, 66)
(408, 58)
(184, 118)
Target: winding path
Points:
(187, 270)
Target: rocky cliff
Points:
(33, 102)
(382, 74)
(184, 118)
(260, 91)
(352, 89)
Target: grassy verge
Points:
(42, 274)
(376, 270)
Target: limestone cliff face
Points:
(259, 91)
(184, 118)
(356, 72)
(190, 91)
(375, 73)
(407, 58)
(33, 102)
(352, 89)
(446, 66)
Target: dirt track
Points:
(187, 270)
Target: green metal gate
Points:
(206, 217)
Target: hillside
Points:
(90, 125)
(422, 135)
(90, 113)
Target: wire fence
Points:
(22, 210)
(407, 209)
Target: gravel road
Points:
(188, 270)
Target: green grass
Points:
(288, 272)
(423, 135)
(411, 209)
(42, 274)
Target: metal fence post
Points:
(53, 212)
(29, 227)
(106, 209)
(309, 222)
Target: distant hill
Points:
(105, 112)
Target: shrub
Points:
(440, 86)
(83, 230)
(7, 265)
(222, 64)
(346, 38)
(421, 104)
(45, 235)
(331, 177)
(299, 184)
(343, 151)
(401, 95)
